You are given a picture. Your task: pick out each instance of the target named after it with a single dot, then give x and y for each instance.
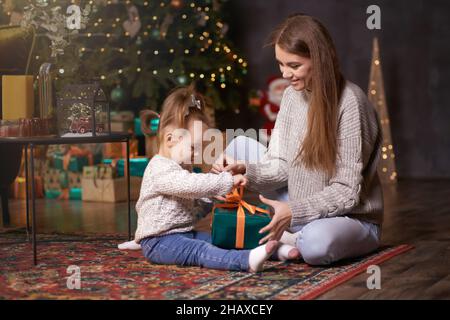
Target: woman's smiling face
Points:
(294, 68)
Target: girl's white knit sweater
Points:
(168, 196)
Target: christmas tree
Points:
(387, 169)
(138, 50)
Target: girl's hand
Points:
(239, 181)
(226, 163)
(236, 168)
(221, 162)
(281, 220)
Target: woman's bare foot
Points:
(260, 254)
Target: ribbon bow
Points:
(195, 103)
(234, 200)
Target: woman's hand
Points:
(281, 220)
(226, 163)
(239, 181)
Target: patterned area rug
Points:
(107, 273)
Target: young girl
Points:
(169, 190)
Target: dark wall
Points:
(415, 55)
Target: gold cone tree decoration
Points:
(386, 168)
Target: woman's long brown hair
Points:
(306, 36)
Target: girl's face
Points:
(294, 68)
(186, 147)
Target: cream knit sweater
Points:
(354, 190)
(168, 197)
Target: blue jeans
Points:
(193, 249)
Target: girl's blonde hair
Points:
(181, 106)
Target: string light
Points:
(376, 96)
(206, 44)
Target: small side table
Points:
(31, 142)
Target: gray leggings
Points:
(321, 241)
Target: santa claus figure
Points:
(270, 105)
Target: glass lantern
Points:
(80, 109)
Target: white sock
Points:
(289, 238)
(258, 256)
(129, 245)
(283, 251)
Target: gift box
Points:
(114, 150)
(75, 164)
(110, 190)
(122, 121)
(99, 172)
(53, 179)
(19, 188)
(72, 194)
(137, 166)
(75, 179)
(17, 97)
(236, 223)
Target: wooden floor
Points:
(417, 212)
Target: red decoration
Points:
(270, 102)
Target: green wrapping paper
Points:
(224, 227)
(137, 166)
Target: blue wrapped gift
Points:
(137, 166)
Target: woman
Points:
(325, 147)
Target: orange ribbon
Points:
(77, 152)
(234, 200)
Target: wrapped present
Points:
(137, 166)
(75, 180)
(53, 179)
(110, 190)
(71, 163)
(101, 171)
(236, 223)
(66, 194)
(115, 150)
(19, 188)
(122, 121)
